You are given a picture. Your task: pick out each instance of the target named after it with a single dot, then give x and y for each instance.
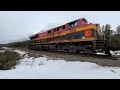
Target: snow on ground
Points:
(20, 52)
(42, 68)
(112, 53)
(1, 51)
(100, 53)
(6, 48)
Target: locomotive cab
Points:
(84, 21)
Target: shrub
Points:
(8, 60)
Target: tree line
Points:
(18, 44)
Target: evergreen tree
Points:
(118, 29)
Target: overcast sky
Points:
(19, 25)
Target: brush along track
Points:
(103, 60)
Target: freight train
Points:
(76, 36)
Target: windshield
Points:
(84, 21)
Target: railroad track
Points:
(103, 60)
(112, 57)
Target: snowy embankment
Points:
(46, 68)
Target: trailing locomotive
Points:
(77, 36)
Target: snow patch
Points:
(1, 51)
(31, 68)
(20, 52)
(101, 53)
(42, 68)
(5, 48)
(113, 52)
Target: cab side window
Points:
(84, 21)
(73, 24)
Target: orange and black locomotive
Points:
(77, 36)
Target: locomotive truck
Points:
(76, 36)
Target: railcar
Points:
(76, 36)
